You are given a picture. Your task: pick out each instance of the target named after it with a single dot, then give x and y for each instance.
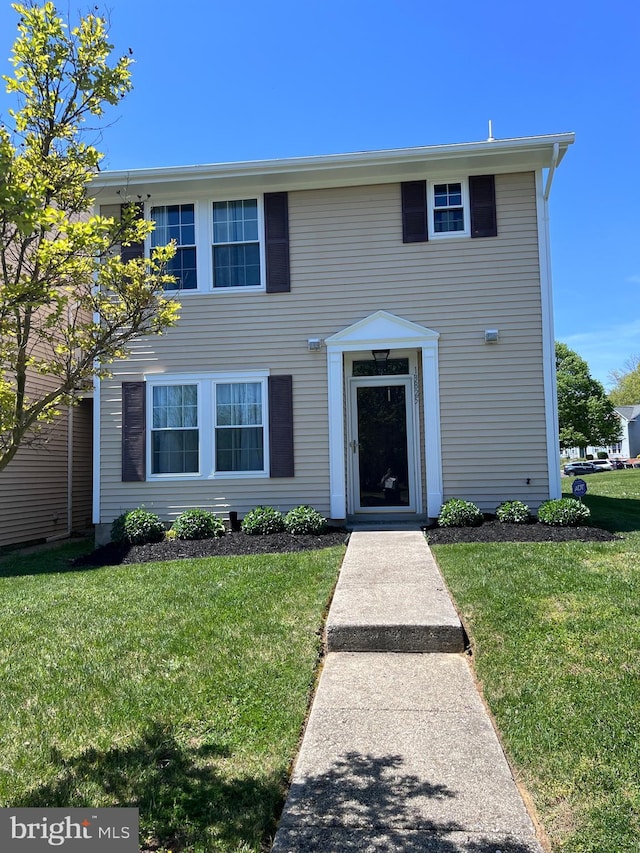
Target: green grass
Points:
(555, 631)
(179, 688)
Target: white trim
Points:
(206, 383)
(337, 450)
(548, 341)
(382, 330)
(432, 434)
(182, 202)
(96, 451)
(465, 206)
(259, 197)
(203, 233)
(350, 169)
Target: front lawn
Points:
(177, 687)
(555, 630)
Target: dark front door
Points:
(380, 449)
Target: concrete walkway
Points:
(399, 753)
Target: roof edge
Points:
(318, 163)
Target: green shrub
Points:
(602, 454)
(262, 520)
(564, 512)
(304, 519)
(142, 527)
(513, 512)
(118, 533)
(198, 524)
(458, 513)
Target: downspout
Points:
(552, 169)
(548, 339)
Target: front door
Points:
(381, 446)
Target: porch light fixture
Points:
(491, 336)
(314, 344)
(380, 356)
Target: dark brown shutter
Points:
(281, 426)
(276, 215)
(482, 195)
(133, 432)
(135, 250)
(414, 212)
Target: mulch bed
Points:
(233, 544)
(238, 543)
(492, 530)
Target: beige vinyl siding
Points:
(348, 261)
(33, 488)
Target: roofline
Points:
(367, 159)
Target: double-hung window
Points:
(448, 209)
(177, 222)
(236, 244)
(174, 429)
(239, 426)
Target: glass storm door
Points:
(381, 446)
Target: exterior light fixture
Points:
(491, 336)
(380, 356)
(314, 344)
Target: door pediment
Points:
(381, 329)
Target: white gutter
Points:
(385, 157)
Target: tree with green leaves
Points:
(585, 413)
(71, 299)
(627, 388)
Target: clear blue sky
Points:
(217, 82)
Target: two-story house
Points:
(367, 333)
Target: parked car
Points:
(574, 468)
(604, 464)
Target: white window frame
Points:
(264, 425)
(203, 210)
(206, 384)
(259, 197)
(172, 475)
(431, 208)
(196, 227)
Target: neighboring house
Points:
(341, 316)
(629, 431)
(46, 490)
(629, 444)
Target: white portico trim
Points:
(383, 330)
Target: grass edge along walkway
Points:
(555, 632)
(177, 687)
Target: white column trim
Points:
(337, 472)
(432, 434)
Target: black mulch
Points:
(232, 544)
(492, 530)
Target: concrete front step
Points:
(391, 597)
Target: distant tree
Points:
(69, 302)
(585, 412)
(627, 388)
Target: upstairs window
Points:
(236, 244)
(177, 222)
(448, 209)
